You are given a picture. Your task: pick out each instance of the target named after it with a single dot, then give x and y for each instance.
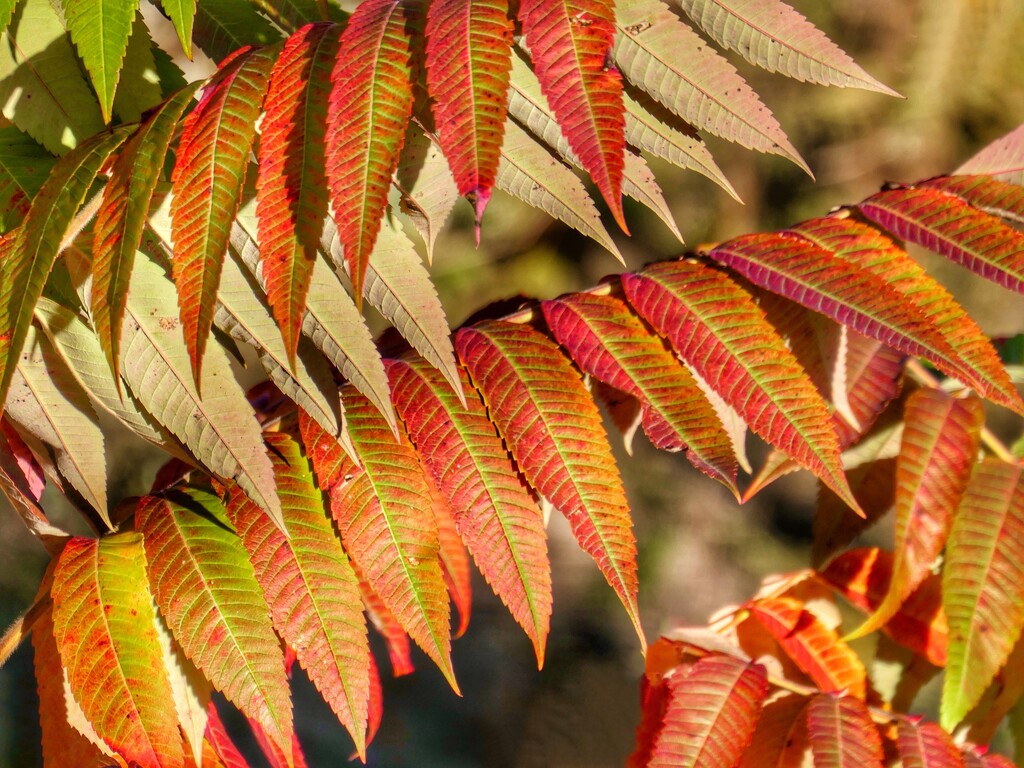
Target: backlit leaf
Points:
(926, 745)
(947, 225)
(100, 32)
(121, 219)
(940, 447)
(842, 734)
(715, 326)
(370, 105)
(812, 646)
(387, 625)
(182, 14)
(207, 592)
(494, 512)
(711, 713)
(1000, 198)
(1003, 158)
(103, 624)
(453, 557)
(39, 241)
(983, 585)
(774, 36)
(468, 58)
(570, 43)
(553, 430)
(21, 482)
(662, 56)
(610, 343)
(221, 27)
(425, 180)
(291, 196)
(309, 585)
(386, 522)
(780, 738)
(208, 179)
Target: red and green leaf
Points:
(309, 585)
(944, 223)
(553, 430)
(716, 327)
(570, 43)
(370, 105)
(926, 745)
(453, 557)
(999, 198)
(609, 342)
(27, 254)
(813, 647)
(711, 713)
(983, 584)
(103, 623)
(122, 216)
(941, 438)
(388, 627)
(291, 197)
(842, 734)
(207, 185)
(207, 592)
(386, 521)
(468, 59)
(494, 512)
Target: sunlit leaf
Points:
(182, 14)
(103, 625)
(842, 733)
(1003, 158)
(780, 738)
(425, 180)
(207, 592)
(926, 745)
(221, 27)
(553, 430)
(100, 32)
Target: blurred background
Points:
(960, 65)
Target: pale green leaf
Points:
(425, 180)
(100, 31)
(182, 14)
(140, 86)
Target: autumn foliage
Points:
(156, 229)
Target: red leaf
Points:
(610, 343)
(842, 734)
(554, 431)
(332, 465)
(399, 650)
(454, 558)
(494, 512)
(999, 198)
(815, 648)
(926, 745)
(217, 737)
(711, 713)
(370, 104)
(291, 197)
(940, 444)
(570, 42)
(469, 54)
(384, 516)
(780, 739)
(309, 585)
(207, 185)
(862, 576)
(714, 325)
(947, 225)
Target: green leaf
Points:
(100, 31)
(207, 592)
(182, 14)
(46, 403)
(494, 512)
(310, 586)
(553, 430)
(103, 623)
(40, 240)
(41, 88)
(141, 86)
(983, 585)
(221, 27)
(24, 166)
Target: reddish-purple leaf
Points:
(309, 585)
(940, 444)
(842, 734)
(494, 512)
(207, 185)
(975, 362)
(1000, 198)
(1003, 158)
(570, 42)
(926, 745)
(207, 592)
(815, 648)
(104, 626)
(612, 344)
(947, 225)
(983, 584)
(716, 327)
(554, 431)
(386, 521)
(291, 188)
(712, 710)
(370, 104)
(469, 54)
(122, 217)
